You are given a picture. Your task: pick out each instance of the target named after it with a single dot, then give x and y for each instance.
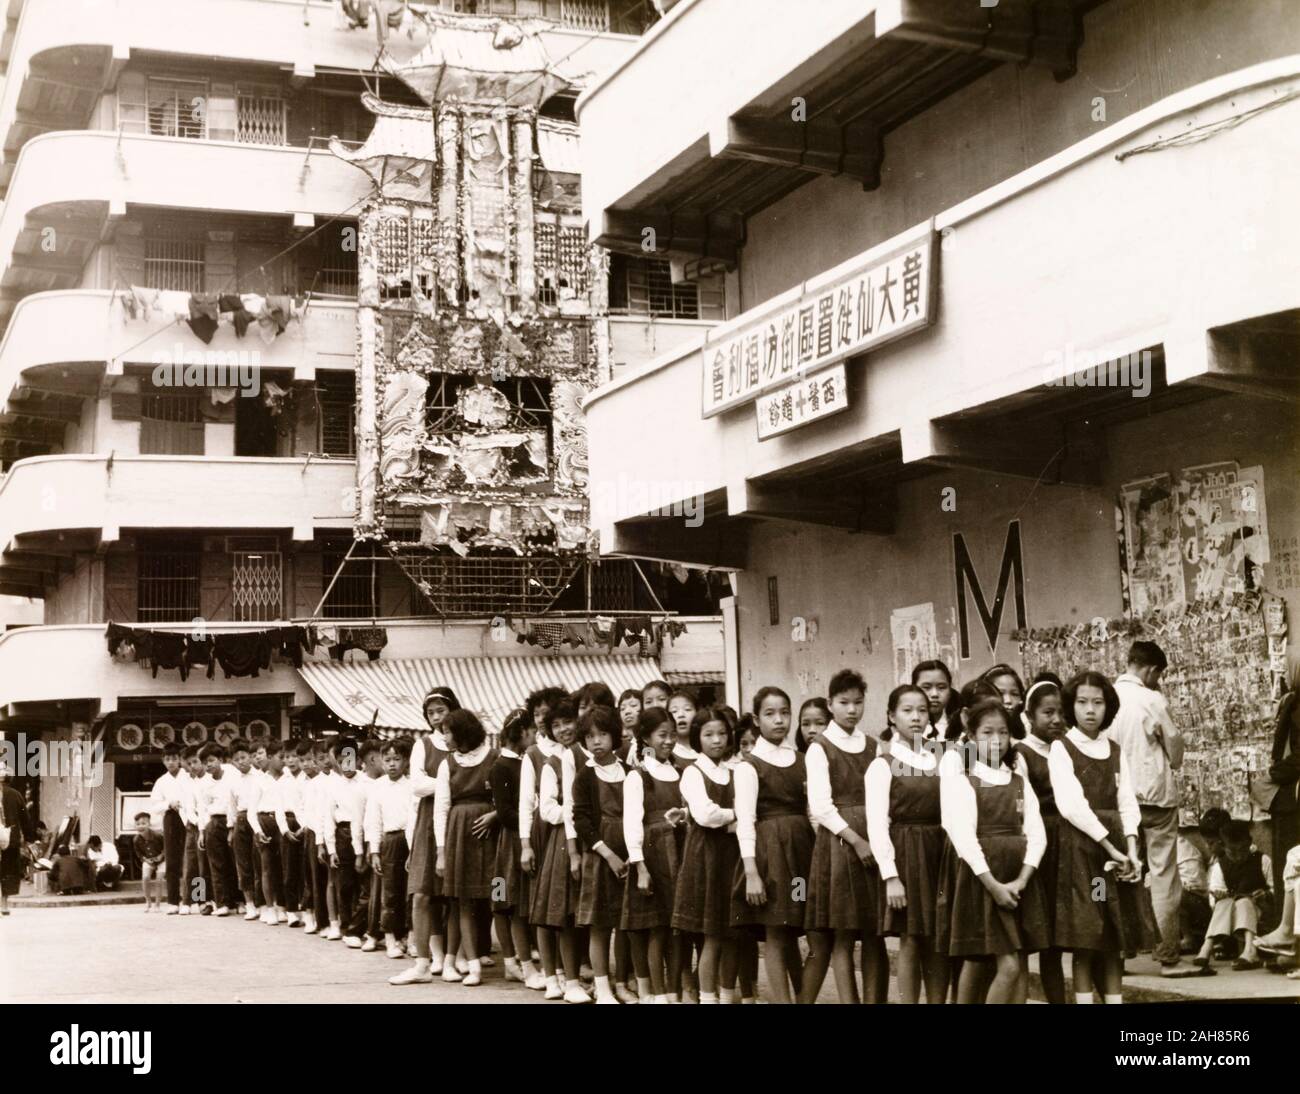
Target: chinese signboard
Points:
(877, 301)
(802, 402)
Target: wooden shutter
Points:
(120, 570)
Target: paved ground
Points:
(114, 952)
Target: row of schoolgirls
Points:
(646, 845)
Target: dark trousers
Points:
(194, 871)
(221, 863)
(244, 865)
(272, 868)
(1286, 834)
(174, 839)
(346, 883)
(291, 855)
(320, 880)
(392, 857)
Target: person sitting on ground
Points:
(149, 850)
(104, 863)
(1238, 885)
(70, 873)
(1197, 848)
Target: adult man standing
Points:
(1153, 750)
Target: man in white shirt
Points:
(370, 895)
(167, 811)
(343, 818)
(1153, 749)
(103, 861)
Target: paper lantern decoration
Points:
(224, 733)
(194, 733)
(257, 728)
(161, 735)
(130, 736)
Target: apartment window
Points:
(338, 397)
(167, 588)
(178, 108)
(644, 286)
(173, 261)
(261, 115)
(171, 424)
(355, 593)
(257, 578)
(336, 274)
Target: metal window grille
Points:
(644, 286)
(337, 394)
(178, 108)
(488, 585)
(172, 263)
(257, 584)
(351, 597)
(592, 15)
(167, 586)
(261, 117)
(529, 398)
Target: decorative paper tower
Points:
(481, 324)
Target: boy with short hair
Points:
(216, 809)
(343, 818)
(388, 811)
(315, 792)
(167, 809)
(104, 865)
(1238, 884)
(268, 835)
(151, 850)
(370, 897)
(288, 820)
(247, 790)
(196, 881)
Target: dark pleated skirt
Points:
(702, 903)
(600, 898)
(843, 895)
(662, 850)
(555, 893)
(970, 924)
(783, 851)
(423, 876)
(528, 882)
(1093, 910)
(507, 869)
(918, 856)
(469, 864)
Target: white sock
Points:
(572, 984)
(643, 987)
(438, 950)
(603, 990)
(422, 963)
(475, 967)
(1112, 998)
(661, 999)
(527, 967)
(708, 997)
(1084, 997)
(727, 995)
(553, 982)
(674, 997)
(748, 999)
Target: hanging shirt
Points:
(634, 803)
(745, 777)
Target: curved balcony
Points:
(64, 55)
(1134, 239)
(67, 185)
(51, 505)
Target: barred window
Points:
(167, 586)
(644, 286)
(338, 397)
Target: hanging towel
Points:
(239, 315)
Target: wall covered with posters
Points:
(869, 592)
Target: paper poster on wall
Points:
(915, 638)
(1151, 545)
(1215, 526)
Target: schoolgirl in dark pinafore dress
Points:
(783, 847)
(469, 863)
(536, 758)
(599, 819)
(1112, 925)
(916, 832)
(702, 903)
(505, 801)
(843, 894)
(423, 877)
(555, 893)
(970, 923)
(1040, 780)
(661, 850)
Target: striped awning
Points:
(677, 679)
(390, 694)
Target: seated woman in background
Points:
(17, 829)
(69, 870)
